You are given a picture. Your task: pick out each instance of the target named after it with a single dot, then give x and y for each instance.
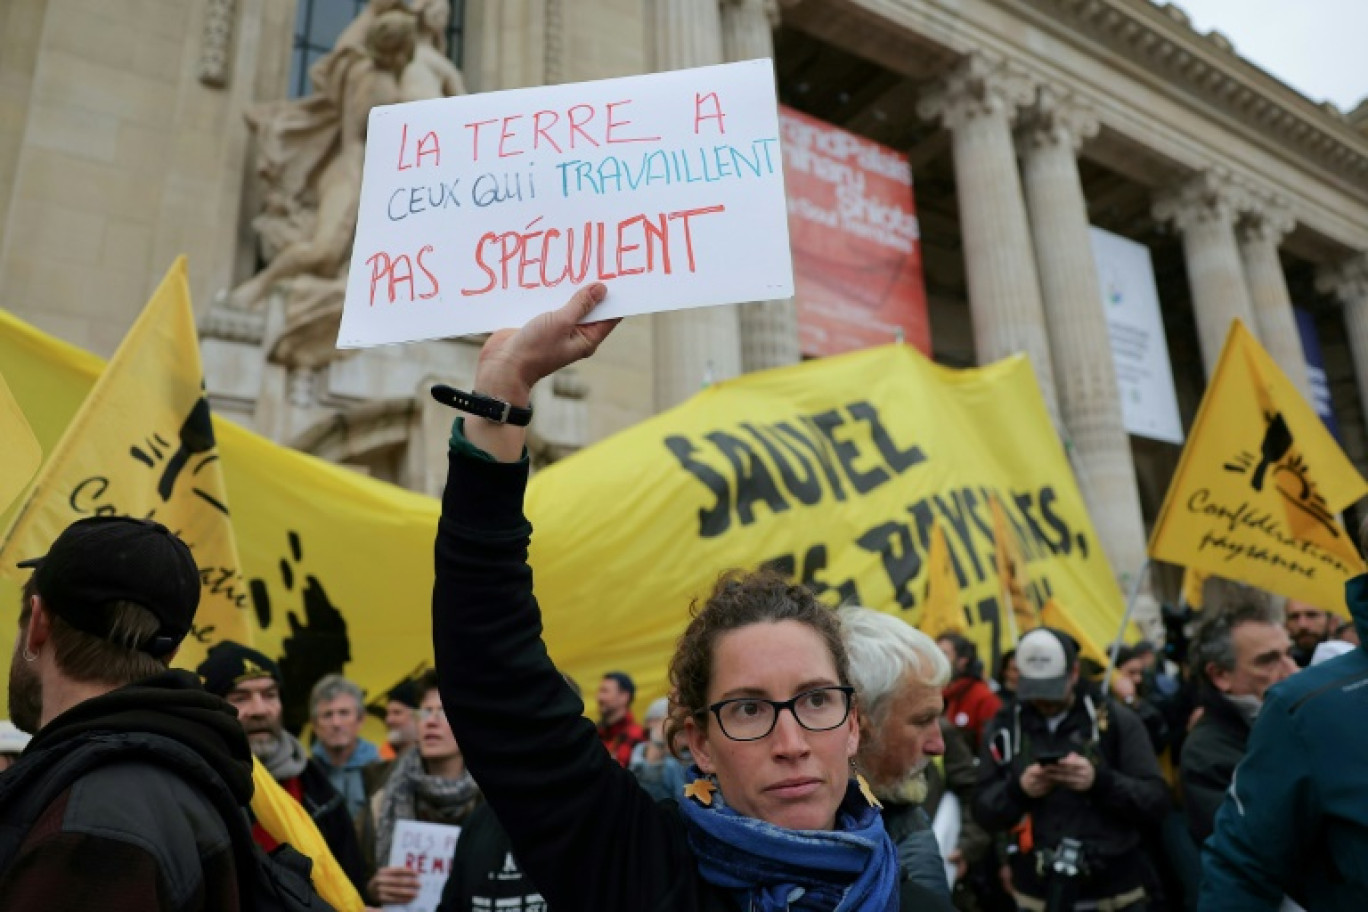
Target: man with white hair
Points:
(898, 673)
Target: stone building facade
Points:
(124, 141)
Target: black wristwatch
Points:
(487, 407)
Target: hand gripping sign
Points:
(481, 211)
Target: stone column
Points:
(1349, 282)
(769, 329)
(977, 102)
(1260, 232)
(1085, 376)
(506, 44)
(748, 28)
(1205, 209)
(692, 347)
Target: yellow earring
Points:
(700, 790)
(867, 791)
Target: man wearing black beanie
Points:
(250, 681)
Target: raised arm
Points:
(584, 831)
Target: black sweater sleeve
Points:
(585, 832)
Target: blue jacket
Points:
(347, 779)
(1295, 820)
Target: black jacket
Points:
(329, 813)
(581, 827)
(1128, 792)
(1211, 752)
(485, 875)
(134, 835)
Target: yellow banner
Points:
(20, 454)
(1052, 615)
(835, 469)
(1259, 486)
(142, 444)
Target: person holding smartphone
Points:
(1071, 773)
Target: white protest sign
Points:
(1144, 379)
(481, 211)
(427, 850)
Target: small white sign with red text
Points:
(426, 849)
(481, 211)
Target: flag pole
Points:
(1125, 622)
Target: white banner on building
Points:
(1149, 405)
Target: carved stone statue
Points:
(311, 150)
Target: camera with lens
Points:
(1065, 869)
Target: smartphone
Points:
(1049, 757)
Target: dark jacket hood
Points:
(173, 705)
(1356, 598)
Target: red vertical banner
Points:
(856, 242)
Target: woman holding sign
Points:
(772, 817)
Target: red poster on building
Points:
(856, 243)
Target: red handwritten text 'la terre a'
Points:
(545, 257)
(576, 126)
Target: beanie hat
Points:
(228, 664)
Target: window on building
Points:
(320, 22)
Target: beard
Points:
(910, 789)
(25, 694)
(265, 743)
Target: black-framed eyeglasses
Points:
(753, 718)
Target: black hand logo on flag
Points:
(1276, 442)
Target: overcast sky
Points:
(1316, 46)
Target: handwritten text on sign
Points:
(481, 211)
(426, 849)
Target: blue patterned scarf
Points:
(853, 868)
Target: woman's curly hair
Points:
(739, 599)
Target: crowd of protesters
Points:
(805, 759)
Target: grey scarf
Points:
(288, 760)
(411, 794)
(1247, 705)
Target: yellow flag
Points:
(836, 469)
(941, 612)
(1259, 486)
(1054, 615)
(20, 453)
(287, 821)
(1194, 588)
(142, 444)
(1011, 571)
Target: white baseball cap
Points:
(659, 709)
(12, 740)
(1044, 659)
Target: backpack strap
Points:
(30, 786)
(266, 883)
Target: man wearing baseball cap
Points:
(102, 616)
(1072, 774)
(250, 681)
